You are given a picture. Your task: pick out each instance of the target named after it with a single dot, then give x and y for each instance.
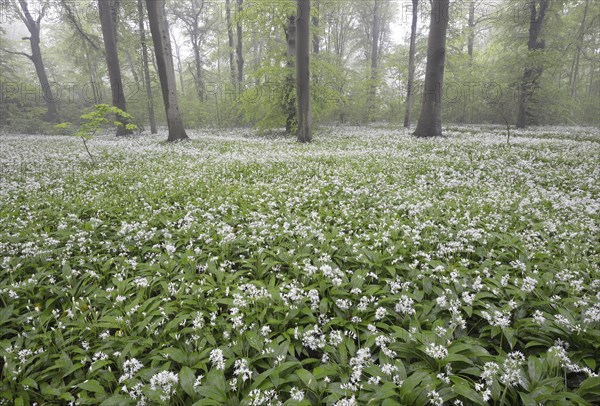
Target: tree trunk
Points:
(303, 71)
(159, 28)
(289, 96)
(147, 81)
(105, 8)
(411, 65)
(179, 68)
(430, 119)
(240, 45)
(575, 67)
(132, 66)
(198, 74)
(33, 26)
(92, 73)
(471, 32)
(230, 39)
(531, 74)
(316, 38)
(375, 33)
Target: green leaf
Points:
(176, 355)
(187, 378)
(117, 400)
(307, 378)
(92, 385)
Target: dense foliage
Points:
(244, 269)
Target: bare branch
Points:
(16, 53)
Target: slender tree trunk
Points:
(531, 73)
(230, 39)
(240, 45)
(255, 53)
(411, 65)
(92, 73)
(33, 26)
(147, 81)
(430, 119)
(107, 21)
(177, 61)
(198, 71)
(159, 28)
(132, 66)
(303, 71)
(375, 34)
(316, 38)
(575, 67)
(471, 32)
(290, 98)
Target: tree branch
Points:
(17, 53)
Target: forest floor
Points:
(239, 268)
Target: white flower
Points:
(380, 313)
(165, 382)
(436, 351)
(435, 398)
(241, 369)
(296, 394)
(130, 367)
(405, 305)
(529, 284)
(217, 359)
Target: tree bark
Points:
(159, 28)
(411, 65)
(240, 45)
(33, 26)
(471, 32)
(430, 119)
(575, 66)
(132, 66)
(303, 71)
(289, 96)
(179, 68)
(107, 22)
(316, 38)
(147, 81)
(375, 33)
(531, 73)
(230, 39)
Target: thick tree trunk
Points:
(303, 71)
(531, 73)
(375, 34)
(240, 46)
(430, 119)
(147, 81)
(290, 98)
(411, 65)
(230, 39)
(164, 60)
(33, 26)
(112, 61)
